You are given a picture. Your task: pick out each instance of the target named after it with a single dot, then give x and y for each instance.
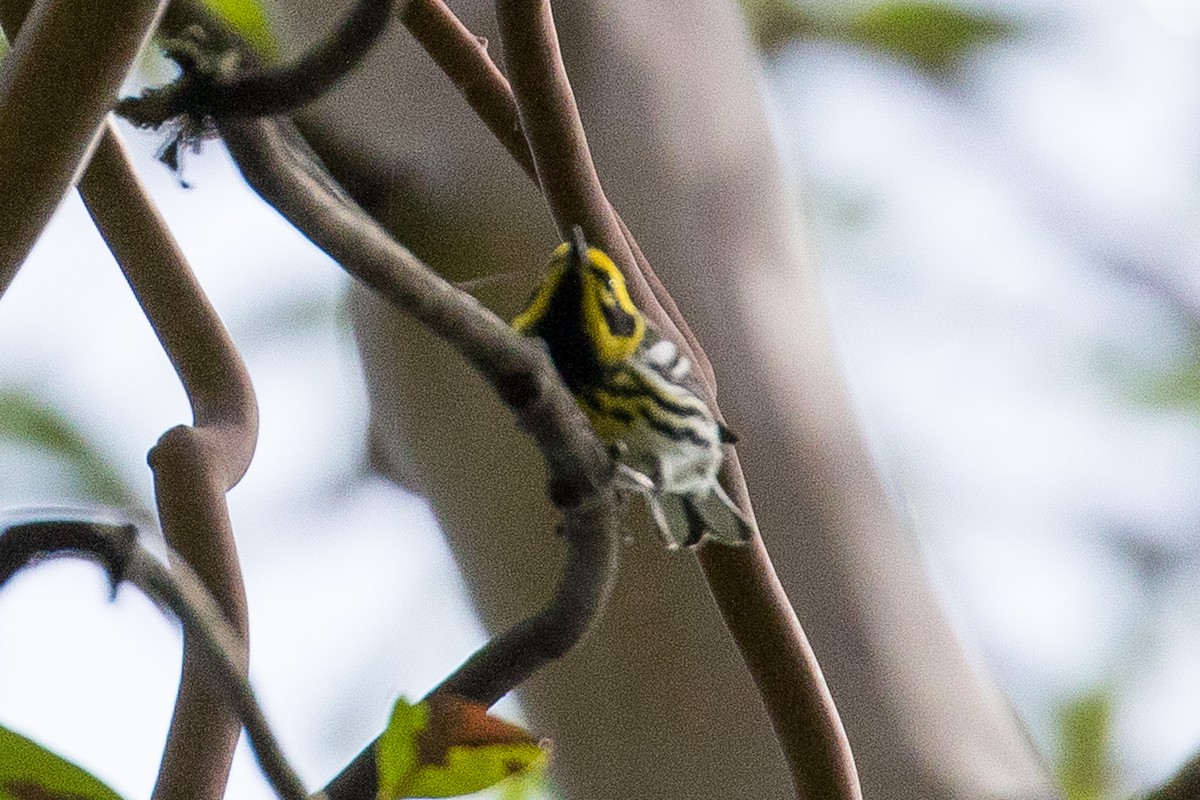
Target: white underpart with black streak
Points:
(676, 465)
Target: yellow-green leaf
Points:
(396, 750)
(29, 771)
(1178, 386)
(249, 18)
(448, 746)
(1085, 762)
(933, 36)
(527, 786)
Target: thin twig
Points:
(177, 591)
(193, 466)
(464, 58)
(56, 84)
(550, 119)
(265, 91)
(557, 142)
(779, 656)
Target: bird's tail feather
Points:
(721, 518)
(683, 519)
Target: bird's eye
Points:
(604, 291)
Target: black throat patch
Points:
(561, 327)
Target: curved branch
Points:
(213, 375)
(512, 656)
(463, 57)
(277, 163)
(57, 83)
(26, 543)
(780, 657)
(178, 591)
(193, 466)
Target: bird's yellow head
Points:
(584, 313)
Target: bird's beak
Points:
(579, 248)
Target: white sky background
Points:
(977, 238)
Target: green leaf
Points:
(932, 36)
(1085, 762)
(447, 746)
(1176, 388)
(396, 750)
(527, 785)
(248, 18)
(26, 420)
(28, 771)
(1174, 385)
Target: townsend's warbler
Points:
(636, 389)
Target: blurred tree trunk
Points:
(656, 703)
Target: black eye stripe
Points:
(620, 323)
(602, 276)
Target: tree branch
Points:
(52, 101)
(262, 91)
(193, 466)
(782, 662)
(178, 591)
(57, 83)
(463, 57)
(742, 581)
(550, 119)
(277, 163)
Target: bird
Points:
(638, 392)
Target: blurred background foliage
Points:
(33, 422)
(1177, 386)
(934, 37)
(1085, 761)
(936, 44)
